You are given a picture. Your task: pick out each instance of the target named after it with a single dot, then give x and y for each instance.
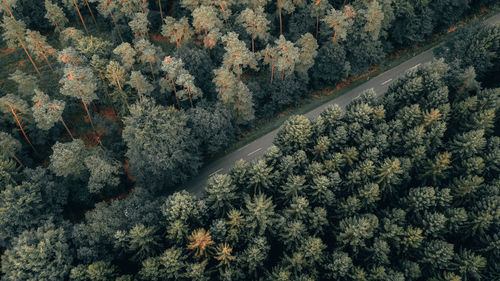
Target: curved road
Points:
(258, 147)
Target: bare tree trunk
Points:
(317, 26)
(190, 100)
(81, 18)
(175, 93)
(92, 14)
(161, 12)
(152, 72)
(272, 74)
(279, 12)
(21, 127)
(18, 161)
(116, 25)
(67, 129)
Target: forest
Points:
(108, 108)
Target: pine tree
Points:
(67, 159)
(374, 17)
(318, 10)
(55, 15)
(205, 19)
(103, 172)
(38, 45)
(237, 56)
(179, 31)
(79, 82)
(39, 254)
(127, 54)
(140, 83)
(255, 23)
(284, 5)
(47, 112)
(140, 25)
(340, 22)
(12, 104)
(14, 36)
(148, 53)
(116, 74)
(166, 126)
(26, 83)
(234, 95)
(308, 52)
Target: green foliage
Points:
(159, 165)
(40, 254)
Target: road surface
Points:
(259, 146)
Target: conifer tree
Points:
(283, 56)
(340, 22)
(237, 56)
(26, 83)
(140, 25)
(47, 112)
(179, 31)
(255, 23)
(234, 95)
(140, 83)
(79, 82)
(374, 17)
(55, 15)
(39, 254)
(284, 5)
(127, 54)
(147, 53)
(67, 159)
(38, 45)
(318, 10)
(13, 35)
(12, 104)
(205, 20)
(308, 52)
(116, 74)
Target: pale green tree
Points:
(139, 25)
(235, 95)
(318, 10)
(127, 54)
(55, 15)
(374, 17)
(179, 31)
(205, 19)
(308, 52)
(340, 22)
(47, 112)
(67, 159)
(255, 23)
(237, 56)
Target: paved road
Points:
(258, 147)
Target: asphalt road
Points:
(258, 147)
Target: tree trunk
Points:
(18, 161)
(116, 25)
(253, 48)
(190, 100)
(161, 12)
(272, 74)
(119, 85)
(81, 18)
(175, 93)
(8, 9)
(152, 72)
(32, 62)
(88, 114)
(279, 12)
(67, 129)
(317, 26)
(92, 14)
(21, 127)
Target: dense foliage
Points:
(111, 105)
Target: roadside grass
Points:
(318, 98)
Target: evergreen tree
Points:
(256, 24)
(165, 126)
